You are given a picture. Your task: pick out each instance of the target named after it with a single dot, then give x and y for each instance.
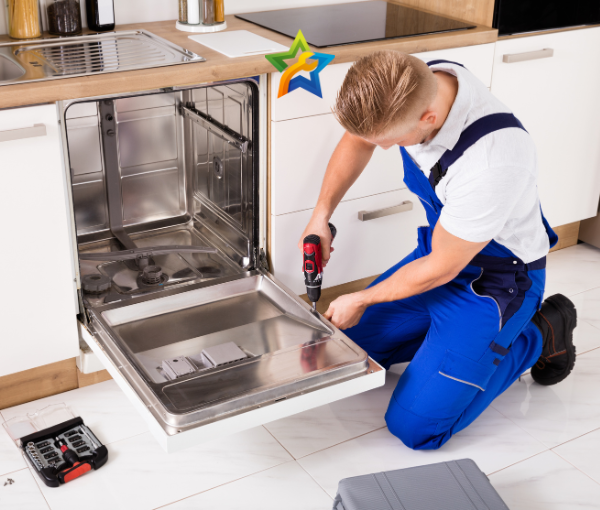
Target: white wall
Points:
(134, 11)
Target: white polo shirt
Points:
(491, 191)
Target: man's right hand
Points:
(320, 228)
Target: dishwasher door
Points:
(213, 359)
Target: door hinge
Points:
(262, 262)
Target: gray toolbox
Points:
(454, 485)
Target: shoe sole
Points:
(562, 304)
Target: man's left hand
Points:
(346, 311)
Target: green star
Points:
(277, 59)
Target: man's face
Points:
(400, 135)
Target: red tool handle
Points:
(80, 468)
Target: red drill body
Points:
(312, 265)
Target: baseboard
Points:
(567, 235)
(38, 383)
(93, 378)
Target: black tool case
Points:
(38, 435)
(455, 485)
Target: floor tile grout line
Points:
(539, 440)
(580, 292)
(314, 479)
(223, 484)
(37, 483)
(13, 471)
(278, 442)
(521, 428)
(518, 462)
(575, 438)
(577, 468)
(587, 352)
(342, 442)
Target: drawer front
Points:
(300, 103)
(297, 168)
(362, 248)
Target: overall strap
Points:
(441, 61)
(480, 128)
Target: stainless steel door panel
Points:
(289, 349)
(259, 380)
(268, 335)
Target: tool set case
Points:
(59, 446)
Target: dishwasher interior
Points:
(165, 191)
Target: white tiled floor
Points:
(539, 445)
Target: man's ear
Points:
(428, 118)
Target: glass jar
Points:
(189, 12)
(24, 19)
(64, 17)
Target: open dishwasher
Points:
(169, 211)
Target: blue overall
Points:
(468, 340)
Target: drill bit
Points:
(314, 306)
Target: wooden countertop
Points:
(217, 66)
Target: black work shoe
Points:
(556, 321)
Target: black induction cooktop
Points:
(332, 25)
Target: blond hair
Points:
(384, 89)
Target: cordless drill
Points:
(313, 265)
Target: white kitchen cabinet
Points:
(39, 306)
(558, 102)
(300, 103)
(298, 167)
(477, 59)
(362, 248)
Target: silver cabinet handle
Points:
(528, 55)
(407, 205)
(19, 134)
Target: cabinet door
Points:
(298, 167)
(557, 101)
(362, 248)
(39, 307)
